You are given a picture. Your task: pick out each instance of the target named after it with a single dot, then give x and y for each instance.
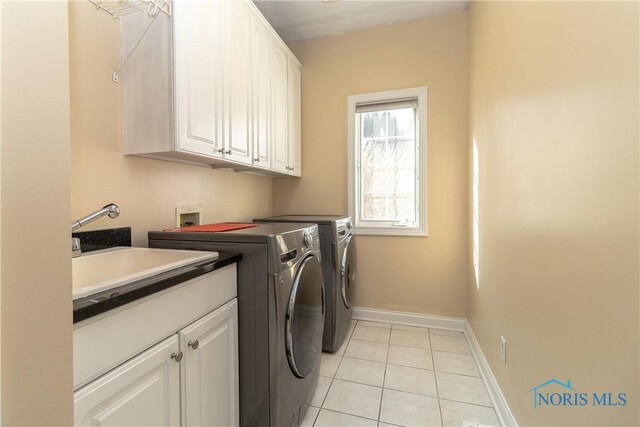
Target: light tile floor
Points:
(395, 375)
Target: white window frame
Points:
(420, 93)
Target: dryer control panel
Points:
(293, 246)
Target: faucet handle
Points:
(76, 250)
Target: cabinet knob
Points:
(291, 168)
(177, 356)
(228, 152)
(257, 160)
(221, 150)
(193, 344)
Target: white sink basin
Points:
(101, 270)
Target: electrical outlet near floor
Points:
(503, 349)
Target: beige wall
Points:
(417, 274)
(554, 111)
(146, 190)
(36, 263)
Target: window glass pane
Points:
(388, 166)
(401, 122)
(374, 124)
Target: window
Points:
(387, 153)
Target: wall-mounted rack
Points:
(118, 8)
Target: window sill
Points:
(384, 231)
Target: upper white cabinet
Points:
(236, 60)
(261, 132)
(198, 81)
(295, 117)
(279, 109)
(214, 85)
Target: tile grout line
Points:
(355, 382)
(384, 377)
(351, 415)
(413, 393)
(371, 342)
(334, 376)
(468, 403)
(455, 373)
(407, 327)
(316, 417)
(435, 379)
(400, 345)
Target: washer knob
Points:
(307, 240)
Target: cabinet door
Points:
(295, 117)
(211, 368)
(145, 391)
(279, 114)
(198, 77)
(237, 63)
(261, 45)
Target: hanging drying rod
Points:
(118, 8)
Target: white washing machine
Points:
(338, 248)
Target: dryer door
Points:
(305, 318)
(348, 271)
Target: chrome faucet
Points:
(112, 210)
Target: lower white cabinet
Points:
(211, 369)
(190, 379)
(145, 391)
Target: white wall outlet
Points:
(503, 349)
(187, 216)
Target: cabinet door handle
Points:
(257, 160)
(193, 344)
(177, 356)
(228, 152)
(221, 150)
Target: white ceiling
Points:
(307, 19)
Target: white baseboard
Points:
(497, 398)
(410, 319)
(454, 324)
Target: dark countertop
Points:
(98, 303)
(96, 240)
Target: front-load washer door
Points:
(305, 318)
(348, 271)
